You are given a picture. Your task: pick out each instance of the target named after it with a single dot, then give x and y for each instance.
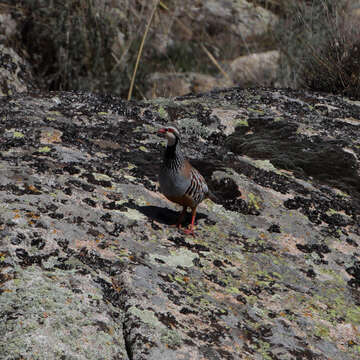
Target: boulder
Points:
(177, 84)
(259, 69)
(90, 267)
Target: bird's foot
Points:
(189, 231)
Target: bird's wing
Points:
(198, 188)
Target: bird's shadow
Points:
(165, 215)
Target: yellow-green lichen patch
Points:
(162, 112)
(322, 331)
(44, 149)
(18, 135)
(242, 122)
(55, 113)
(353, 315)
(130, 178)
(265, 165)
(331, 212)
(264, 350)
(331, 275)
(149, 128)
(130, 166)
(342, 193)
(146, 316)
(232, 290)
(171, 338)
(181, 257)
(265, 279)
(256, 111)
(254, 201)
(194, 288)
(331, 306)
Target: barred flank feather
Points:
(198, 189)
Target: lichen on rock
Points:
(90, 267)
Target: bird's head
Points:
(171, 133)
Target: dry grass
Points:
(90, 45)
(156, 3)
(81, 44)
(320, 46)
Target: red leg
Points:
(191, 227)
(181, 217)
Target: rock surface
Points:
(15, 73)
(259, 68)
(175, 84)
(91, 269)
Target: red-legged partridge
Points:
(179, 181)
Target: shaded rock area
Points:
(90, 267)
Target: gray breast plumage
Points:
(171, 182)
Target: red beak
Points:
(162, 131)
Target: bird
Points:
(179, 181)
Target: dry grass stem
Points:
(156, 3)
(178, 21)
(215, 62)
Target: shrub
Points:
(69, 42)
(320, 46)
